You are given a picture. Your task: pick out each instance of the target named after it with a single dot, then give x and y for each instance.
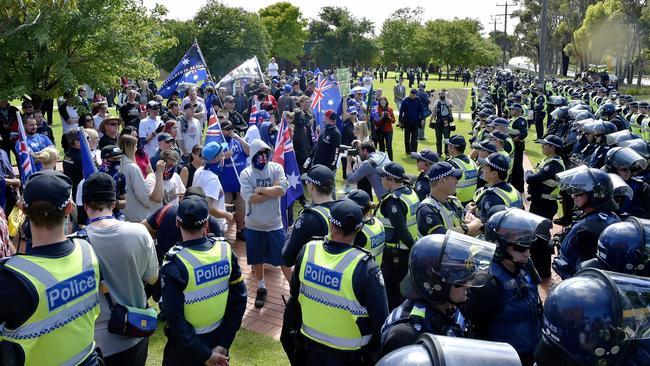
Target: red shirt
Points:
(385, 124)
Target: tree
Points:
(398, 37)
(16, 15)
(184, 32)
(285, 25)
(337, 38)
(94, 44)
(229, 35)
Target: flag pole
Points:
(198, 49)
(260, 68)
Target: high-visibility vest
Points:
(466, 185)
(329, 306)
(645, 129)
(375, 236)
(450, 219)
(510, 199)
(555, 194)
(62, 329)
(412, 202)
(206, 293)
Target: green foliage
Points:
(286, 27)
(336, 38)
(183, 32)
(94, 44)
(602, 26)
(230, 35)
(398, 37)
(16, 15)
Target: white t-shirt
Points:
(172, 188)
(147, 126)
(97, 120)
(72, 113)
(200, 108)
(273, 69)
(212, 186)
(367, 82)
(191, 136)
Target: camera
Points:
(350, 151)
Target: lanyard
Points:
(90, 221)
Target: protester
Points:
(196, 161)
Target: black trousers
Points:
(394, 267)
(539, 125)
(540, 252)
(411, 137)
(47, 107)
(518, 166)
(385, 141)
(134, 356)
(442, 132)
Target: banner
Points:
(250, 69)
(343, 79)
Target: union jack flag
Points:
(326, 96)
(252, 118)
(25, 153)
(285, 156)
(213, 132)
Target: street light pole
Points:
(505, 29)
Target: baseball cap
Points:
(426, 155)
(228, 99)
(152, 104)
(551, 140)
(361, 198)
(164, 136)
(496, 161)
(330, 114)
(456, 141)
(443, 169)
(286, 88)
(99, 187)
(48, 186)
(346, 214)
(352, 109)
(193, 211)
(392, 170)
(485, 145)
(110, 151)
(319, 175)
(500, 135)
(213, 149)
(274, 81)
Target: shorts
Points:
(264, 246)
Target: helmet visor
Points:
(466, 260)
(575, 180)
(626, 158)
(522, 227)
(638, 145)
(620, 187)
(574, 111)
(634, 293)
(452, 351)
(618, 137)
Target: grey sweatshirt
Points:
(264, 216)
(369, 169)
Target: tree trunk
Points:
(565, 62)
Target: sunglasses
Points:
(114, 124)
(519, 248)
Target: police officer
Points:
(508, 308)
(467, 182)
(591, 190)
(624, 247)
(596, 132)
(441, 210)
(436, 350)
(494, 170)
(372, 236)
(543, 187)
(612, 328)
(203, 293)
(539, 109)
(627, 163)
(519, 133)
(397, 212)
(314, 219)
(50, 296)
(500, 139)
(441, 268)
(341, 294)
(425, 158)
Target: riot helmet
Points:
(560, 113)
(624, 247)
(599, 127)
(583, 115)
(591, 317)
(620, 136)
(437, 262)
(638, 145)
(621, 190)
(435, 350)
(624, 158)
(516, 227)
(582, 179)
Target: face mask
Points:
(260, 160)
(169, 172)
(216, 168)
(109, 166)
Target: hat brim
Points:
(457, 173)
(483, 161)
(416, 156)
(544, 141)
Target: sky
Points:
(376, 11)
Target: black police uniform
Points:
(540, 202)
(639, 205)
(422, 186)
(521, 126)
(395, 261)
(404, 325)
(430, 221)
(368, 286)
(326, 149)
(184, 346)
(308, 225)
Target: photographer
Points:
(444, 119)
(347, 138)
(368, 161)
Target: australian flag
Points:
(87, 161)
(25, 153)
(326, 96)
(191, 69)
(213, 132)
(285, 156)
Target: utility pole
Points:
(542, 43)
(505, 28)
(494, 21)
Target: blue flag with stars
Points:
(190, 70)
(326, 96)
(286, 156)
